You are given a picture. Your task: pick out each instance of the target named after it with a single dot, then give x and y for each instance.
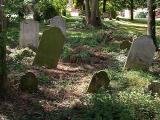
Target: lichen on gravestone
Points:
(99, 79)
(153, 87)
(141, 53)
(50, 48)
(29, 82)
(125, 45)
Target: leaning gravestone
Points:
(29, 33)
(59, 22)
(29, 82)
(141, 53)
(99, 79)
(50, 48)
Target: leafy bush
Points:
(141, 15)
(66, 52)
(45, 10)
(18, 55)
(133, 105)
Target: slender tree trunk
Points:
(3, 75)
(87, 11)
(104, 6)
(151, 30)
(131, 10)
(95, 17)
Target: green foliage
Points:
(66, 52)
(44, 79)
(125, 104)
(78, 3)
(78, 24)
(18, 55)
(60, 6)
(17, 7)
(141, 15)
(83, 54)
(44, 9)
(12, 34)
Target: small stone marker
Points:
(50, 48)
(141, 53)
(99, 79)
(59, 22)
(29, 33)
(29, 82)
(154, 87)
(125, 45)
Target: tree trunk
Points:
(104, 6)
(131, 10)
(151, 30)
(3, 75)
(95, 17)
(87, 11)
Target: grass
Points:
(62, 90)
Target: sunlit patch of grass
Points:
(137, 79)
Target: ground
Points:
(62, 91)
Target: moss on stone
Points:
(29, 82)
(50, 48)
(99, 79)
(125, 45)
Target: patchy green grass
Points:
(57, 99)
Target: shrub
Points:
(45, 10)
(141, 15)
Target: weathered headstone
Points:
(153, 87)
(125, 45)
(141, 53)
(99, 79)
(29, 33)
(50, 48)
(59, 22)
(29, 82)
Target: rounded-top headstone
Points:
(125, 45)
(99, 79)
(50, 48)
(154, 88)
(58, 21)
(29, 82)
(141, 53)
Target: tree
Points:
(104, 6)
(92, 12)
(3, 75)
(133, 4)
(87, 11)
(151, 30)
(132, 9)
(95, 17)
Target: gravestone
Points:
(125, 45)
(59, 22)
(99, 79)
(29, 33)
(153, 87)
(141, 53)
(29, 82)
(50, 48)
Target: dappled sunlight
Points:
(126, 23)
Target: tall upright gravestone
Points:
(50, 48)
(59, 22)
(29, 33)
(141, 53)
